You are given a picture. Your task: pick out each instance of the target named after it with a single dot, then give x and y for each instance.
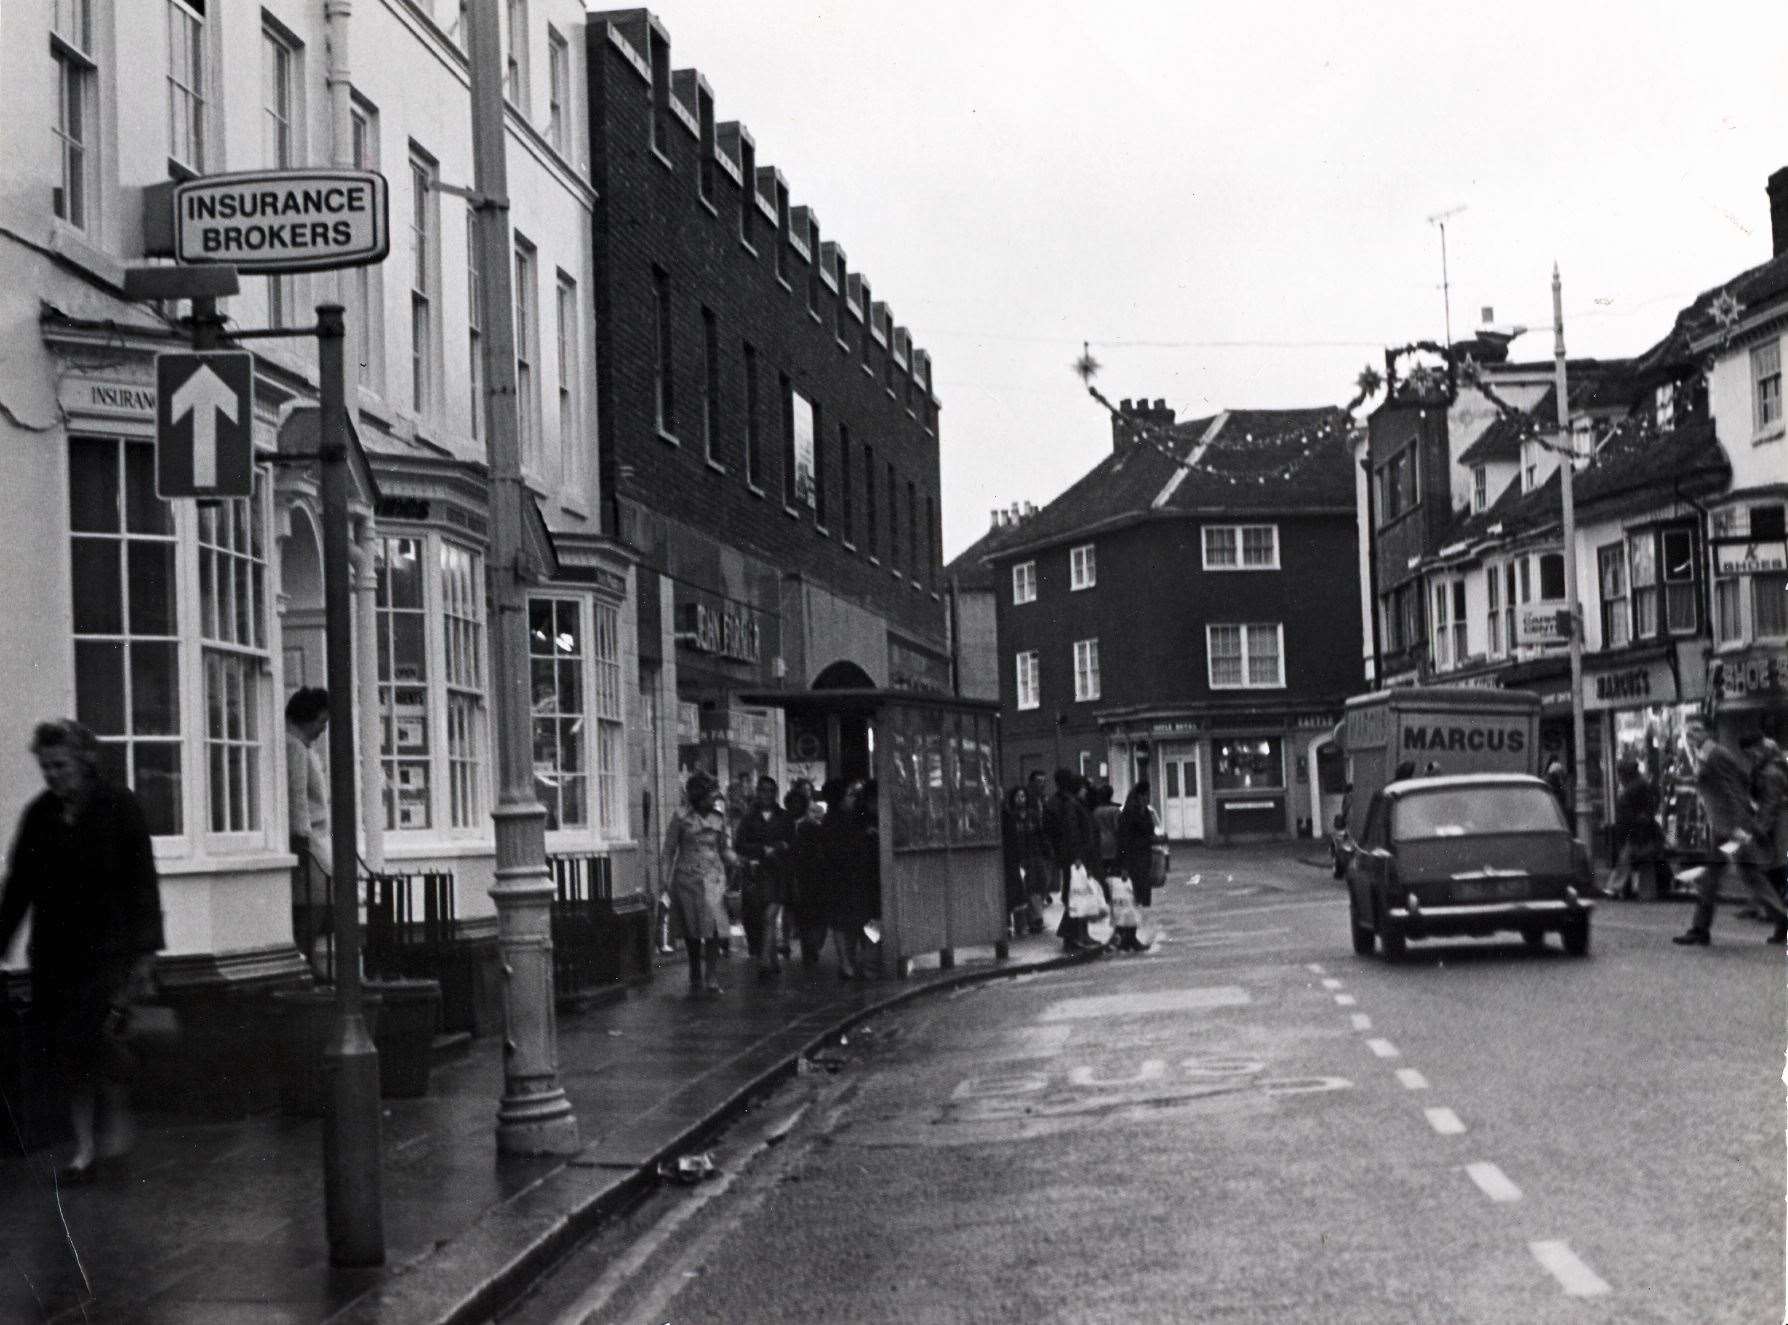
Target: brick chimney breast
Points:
(1778, 211)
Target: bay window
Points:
(140, 567)
(557, 652)
(405, 748)
(608, 700)
(462, 616)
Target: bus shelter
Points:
(935, 759)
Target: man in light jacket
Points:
(1724, 785)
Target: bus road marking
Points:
(1361, 1022)
(1493, 1182)
(1564, 1265)
(1445, 1122)
(1383, 1048)
(1412, 1079)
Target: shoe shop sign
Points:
(283, 220)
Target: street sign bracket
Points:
(479, 199)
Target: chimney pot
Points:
(1778, 211)
(1160, 406)
(1126, 405)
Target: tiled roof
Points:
(1687, 459)
(1760, 285)
(969, 568)
(1501, 441)
(1241, 467)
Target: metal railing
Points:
(585, 938)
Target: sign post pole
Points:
(534, 1116)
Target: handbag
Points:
(1158, 858)
(1085, 899)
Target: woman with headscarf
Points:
(697, 855)
(807, 905)
(83, 866)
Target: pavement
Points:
(225, 1222)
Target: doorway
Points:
(1182, 809)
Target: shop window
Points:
(126, 621)
(232, 550)
(1611, 570)
(557, 653)
(135, 576)
(611, 733)
(1441, 643)
(1254, 764)
(404, 745)
(1678, 548)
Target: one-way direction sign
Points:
(204, 424)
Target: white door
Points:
(1181, 812)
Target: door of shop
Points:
(1182, 811)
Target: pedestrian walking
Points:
(1036, 794)
(765, 843)
(1638, 840)
(852, 874)
(1025, 860)
(1105, 827)
(1068, 828)
(1136, 843)
(697, 854)
(806, 906)
(83, 867)
(1723, 784)
(1769, 791)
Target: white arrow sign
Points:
(205, 395)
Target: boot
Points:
(1693, 937)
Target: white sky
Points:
(1015, 178)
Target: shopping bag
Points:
(1085, 900)
(1158, 857)
(1124, 914)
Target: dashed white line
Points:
(1563, 1264)
(1383, 1048)
(1316, 968)
(1412, 1079)
(1345, 1000)
(1445, 1122)
(1361, 1022)
(1331, 983)
(1494, 1183)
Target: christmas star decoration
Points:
(1087, 366)
(1724, 311)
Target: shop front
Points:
(1634, 706)
(724, 646)
(1749, 690)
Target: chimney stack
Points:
(1778, 211)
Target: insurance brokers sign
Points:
(283, 220)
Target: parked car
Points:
(1470, 854)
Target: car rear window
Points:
(1473, 811)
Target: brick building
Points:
(768, 433)
(1187, 611)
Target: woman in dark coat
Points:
(82, 865)
(1136, 840)
(807, 898)
(852, 890)
(1026, 861)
